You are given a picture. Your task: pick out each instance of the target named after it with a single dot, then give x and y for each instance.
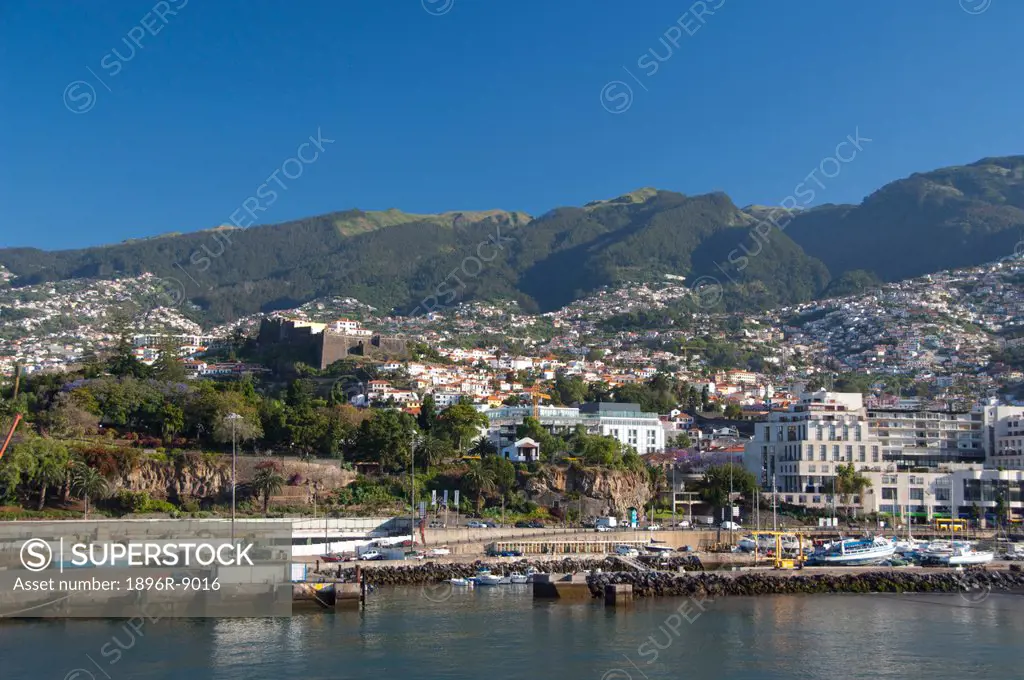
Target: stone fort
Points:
(319, 346)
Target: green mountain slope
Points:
(951, 217)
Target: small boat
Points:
(516, 577)
(651, 547)
(461, 582)
(532, 574)
(966, 555)
(484, 577)
(852, 552)
(487, 580)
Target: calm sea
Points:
(498, 633)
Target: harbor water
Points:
(502, 632)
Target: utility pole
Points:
(233, 417)
(775, 505)
(412, 486)
(673, 494)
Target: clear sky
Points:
(440, 105)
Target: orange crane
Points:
(10, 434)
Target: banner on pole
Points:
(446, 498)
(456, 498)
(433, 497)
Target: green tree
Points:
(122, 362)
(168, 366)
(432, 451)
(50, 468)
(88, 484)
(848, 482)
(266, 483)
(718, 479)
(460, 423)
(479, 480)
(385, 438)
(733, 411)
(428, 413)
(173, 418)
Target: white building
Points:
(524, 450)
(1004, 437)
(801, 448)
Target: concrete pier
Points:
(561, 587)
(618, 594)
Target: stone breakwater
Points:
(434, 572)
(710, 585)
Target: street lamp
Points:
(233, 417)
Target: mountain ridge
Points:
(929, 221)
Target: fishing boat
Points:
(516, 577)
(532, 573)
(854, 552)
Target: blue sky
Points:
(474, 104)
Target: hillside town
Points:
(921, 349)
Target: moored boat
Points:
(461, 582)
(853, 552)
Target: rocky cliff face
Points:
(602, 492)
(200, 477)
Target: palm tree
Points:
(266, 483)
(51, 468)
(432, 451)
(88, 484)
(848, 482)
(480, 480)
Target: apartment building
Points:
(912, 436)
(798, 450)
(1004, 437)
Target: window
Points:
(861, 454)
(822, 452)
(942, 493)
(917, 494)
(824, 468)
(811, 468)
(874, 454)
(632, 438)
(810, 453)
(849, 454)
(835, 452)
(652, 439)
(888, 493)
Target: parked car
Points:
(491, 525)
(438, 552)
(654, 527)
(474, 524)
(522, 524)
(372, 555)
(511, 553)
(730, 526)
(435, 524)
(535, 524)
(685, 524)
(602, 527)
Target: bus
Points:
(943, 524)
